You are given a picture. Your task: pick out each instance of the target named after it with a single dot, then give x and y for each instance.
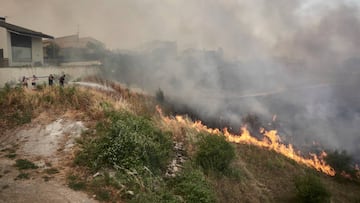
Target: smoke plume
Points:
(295, 59)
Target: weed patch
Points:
(11, 155)
(15, 107)
(102, 195)
(75, 183)
(310, 189)
(46, 178)
(51, 171)
(22, 164)
(214, 153)
(22, 176)
(192, 186)
(342, 163)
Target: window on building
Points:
(21, 48)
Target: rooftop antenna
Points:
(78, 29)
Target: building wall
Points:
(37, 52)
(3, 41)
(37, 55)
(8, 40)
(13, 75)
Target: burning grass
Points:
(271, 141)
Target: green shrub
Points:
(40, 87)
(310, 189)
(21, 117)
(75, 183)
(136, 151)
(214, 153)
(22, 176)
(11, 155)
(192, 186)
(340, 161)
(103, 195)
(15, 108)
(25, 164)
(129, 142)
(3, 93)
(161, 196)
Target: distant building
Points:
(20, 46)
(74, 41)
(73, 48)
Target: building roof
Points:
(74, 41)
(23, 31)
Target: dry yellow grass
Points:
(267, 176)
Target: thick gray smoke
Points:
(298, 59)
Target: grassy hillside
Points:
(132, 153)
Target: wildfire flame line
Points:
(271, 141)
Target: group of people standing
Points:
(51, 79)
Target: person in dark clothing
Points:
(24, 81)
(51, 80)
(33, 81)
(62, 80)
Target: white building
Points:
(20, 46)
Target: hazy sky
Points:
(194, 23)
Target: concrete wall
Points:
(8, 40)
(3, 41)
(37, 51)
(13, 75)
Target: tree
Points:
(52, 50)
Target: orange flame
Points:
(271, 141)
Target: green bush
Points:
(135, 150)
(22, 176)
(103, 195)
(129, 142)
(15, 108)
(21, 116)
(192, 186)
(4, 92)
(75, 183)
(340, 161)
(162, 196)
(214, 153)
(310, 189)
(11, 155)
(25, 164)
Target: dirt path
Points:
(47, 142)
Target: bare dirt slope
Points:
(48, 142)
